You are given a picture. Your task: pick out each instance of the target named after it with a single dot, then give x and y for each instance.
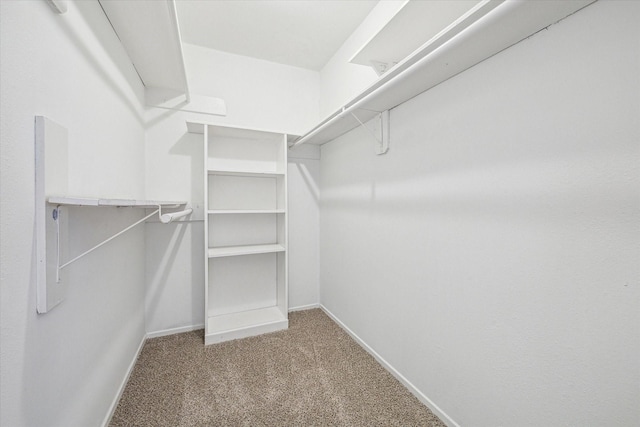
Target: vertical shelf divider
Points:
(205, 249)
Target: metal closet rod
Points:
(407, 67)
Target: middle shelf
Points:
(224, 251)
(244, 172)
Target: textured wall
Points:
(64, 368)
(258, 94)
(341, 81)
(491, 256)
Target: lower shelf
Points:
(244, 324)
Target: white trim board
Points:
(304, 307)
(123, 384)
(182, 329)
(413, 389)
(173, 331)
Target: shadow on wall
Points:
(96, 20)
(166, 241)
(307, 177)
(190, 145)
(67, 363)
(174, 263)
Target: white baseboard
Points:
(417, 393)
(156, 334)
(304, 307)
(172, 331)
(123, 384)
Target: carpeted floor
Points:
(313, 374)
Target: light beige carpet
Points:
(312, 374)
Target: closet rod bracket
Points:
(381, 134)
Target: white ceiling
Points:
(302, 33)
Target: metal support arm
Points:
(382, 141)
(164, 218)
(60, 267)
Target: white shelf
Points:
(415, 23)
(244, 250)
(217, 130)
(132, 203)
(244, 324)
(229, 172)
(245, 211)
(488, 28)
(150, 34)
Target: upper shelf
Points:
(231, 131)
(484, 30)
(225, 130)
(150, 34)
(408, 29)
(84, 201)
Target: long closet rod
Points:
(488, 28)
(406, 67)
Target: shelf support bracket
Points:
(382, 134)
(164, 218)
(57, 219)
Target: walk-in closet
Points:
(320, 213)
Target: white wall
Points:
(304, 227)
(341, 81)
(65, 367)
(174, 256)
(258, 94)
(491, 256)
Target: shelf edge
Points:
(100, 202)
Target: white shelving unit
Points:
(245, 230)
